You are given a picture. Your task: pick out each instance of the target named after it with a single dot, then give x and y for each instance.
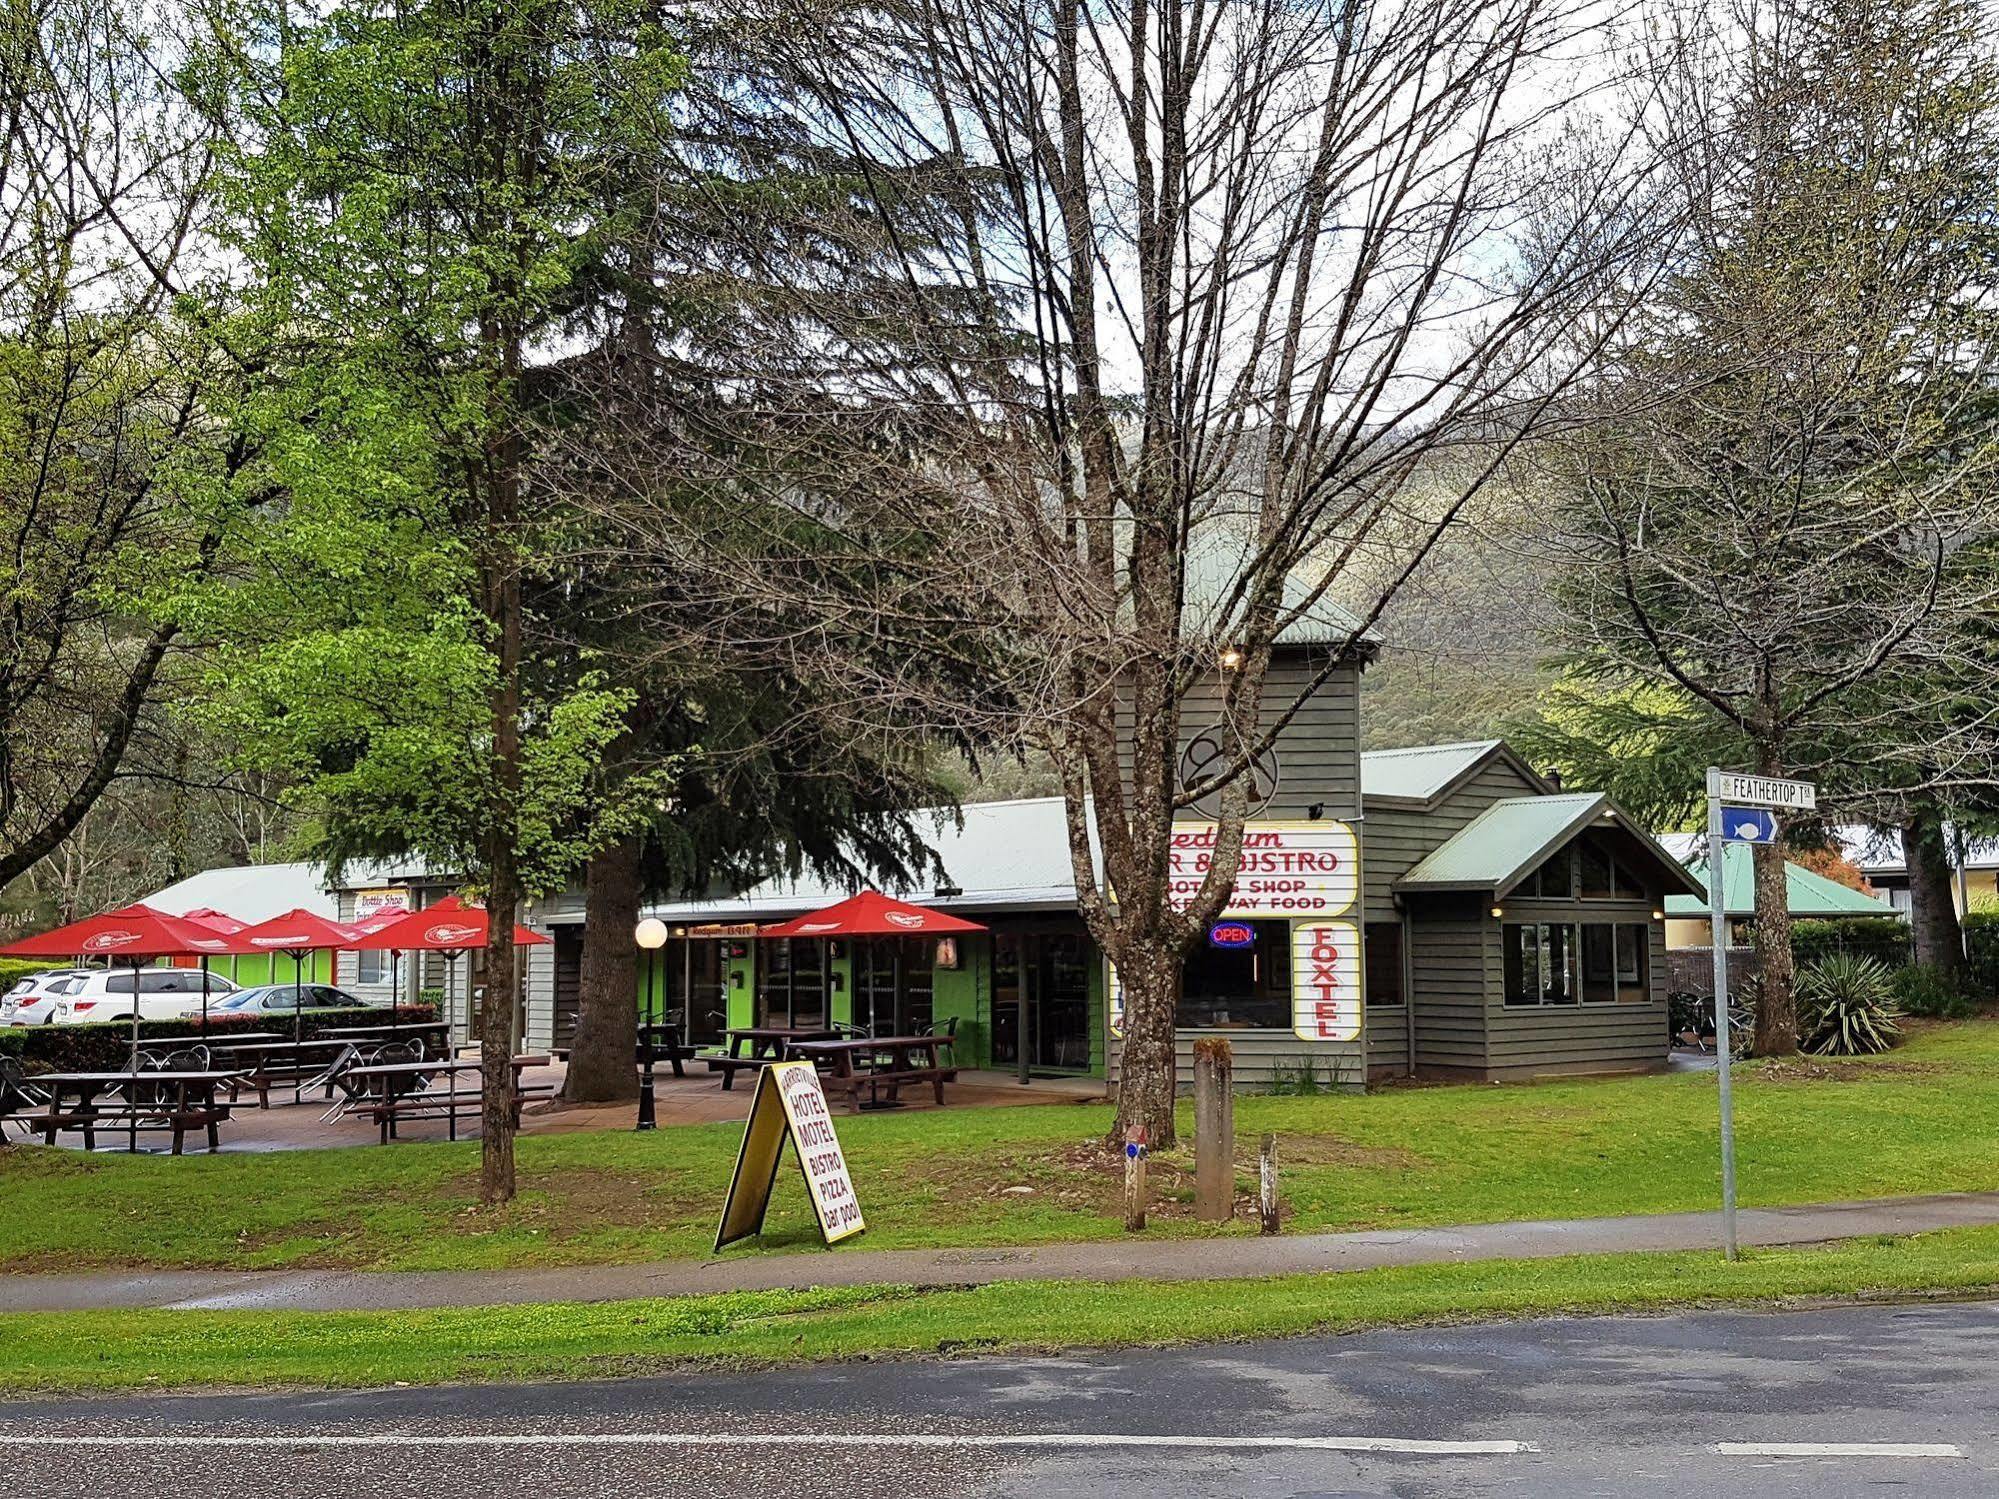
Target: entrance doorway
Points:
(689, 988)
(893, 982)
(1041, 999)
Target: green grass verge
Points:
(169, 1349)
(1917, 1120)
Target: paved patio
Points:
(697, 1098)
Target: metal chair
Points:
(17, 1093)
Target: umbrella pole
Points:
(132, 1119)
(204, 995)
(298, 1024)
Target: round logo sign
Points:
(446, 934)
(910, 920)
(109, 941)
(1206, 756)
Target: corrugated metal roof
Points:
(1420, 771)
(1808, 894)
(1012, 853)
(1214, 566)
(1879, 850)
(1503, 841)
(250, 892)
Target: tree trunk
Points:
(1932, 898)
(1150, 982)
(607, 1018)
(1776, 1004)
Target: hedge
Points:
(1883, 938)
(13, 970)
(1981, 940)
(107, 1045)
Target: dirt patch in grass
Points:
(1803, 1069)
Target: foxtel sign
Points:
(1325, 980)
(1294, 869)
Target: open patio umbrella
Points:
(367, 926)
(222, 922)
(296, 933)
(452, 926)
(872, 914)
(136, 934)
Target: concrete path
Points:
(1116, 1259)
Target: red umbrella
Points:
(452, 926)
(872, 914)
(135, 933)
(222, 921)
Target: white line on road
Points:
(1837, 1449)
(1409, 1445)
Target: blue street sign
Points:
(1748, 825)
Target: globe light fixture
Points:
(650, 934)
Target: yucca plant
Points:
(1846, 1007)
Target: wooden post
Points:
(1266, 1184)
(1214, 1130)
(1134, 1180)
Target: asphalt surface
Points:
(1691, 1404)
(1117, 1259)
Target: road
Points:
(1714, 1404)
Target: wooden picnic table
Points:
(659, 1040)
(386, 1028)
(875, 1062)
(392, 1091)
(261, 1060)
(153, 1100)
(765, 1043)
(210, 1039)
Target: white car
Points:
(163, 994)
(33, 1000)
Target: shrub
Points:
(13, 970)
(1981, 940)
(107, 1047)
(1926, 990)
(1846, 1007)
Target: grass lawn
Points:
(1919, 1120)
(163, 1349)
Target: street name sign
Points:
(790, 1104)
(1761, 791)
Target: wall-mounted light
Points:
(1316, 811)
(650, 934)
(947, 952)
(1658, 915)
(1497, 912)
(1231, 659)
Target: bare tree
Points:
(1782, 502)
(1197, 288)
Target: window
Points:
(371, 968)
(791, 982)
(1596, 884)
(1240, 988)
(1384, 962)
(1555, 879)
(1540, 963)
(1558, 963)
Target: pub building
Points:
(1439, 910)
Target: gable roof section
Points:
(1807, 893)
(250, 892)
(1510, 839)
(1424, 774)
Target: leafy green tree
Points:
(417, 193)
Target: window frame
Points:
(1577, 953)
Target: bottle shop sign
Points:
(1291, 869)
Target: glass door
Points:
(1041, 1000)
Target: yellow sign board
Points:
(789, 1102)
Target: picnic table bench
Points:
(390, 1092)
(263, 1063)
(153, 1100)
(755, 1047)
(659, 1041)
(878, 1062)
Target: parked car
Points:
(289, 998)
(162, 994)
(33, 1000)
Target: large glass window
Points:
(893, 981)
(1384, 962)
(1240, 987)
(1555, 879)
(1565, 963)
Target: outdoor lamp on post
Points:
(650, 935)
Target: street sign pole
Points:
(1718, 918)
(1740, 809)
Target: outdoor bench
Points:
(729, 1066)
(126, 1119)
